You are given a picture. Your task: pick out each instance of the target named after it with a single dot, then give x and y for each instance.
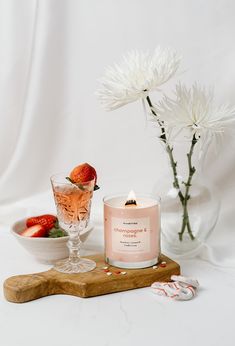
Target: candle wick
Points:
(131, 202)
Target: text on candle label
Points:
(131, 235)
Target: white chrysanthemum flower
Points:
(135, 76)
(194, 110)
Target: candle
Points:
(132, 230)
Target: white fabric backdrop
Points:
(51, 54)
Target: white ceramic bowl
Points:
(45, 250)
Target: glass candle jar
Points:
(132, 231)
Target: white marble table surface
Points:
(129, 318)
(136, 317)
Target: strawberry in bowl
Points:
(47, 221)
(34, 231)
(45, 225)
(42, 237)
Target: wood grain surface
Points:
(23, 288)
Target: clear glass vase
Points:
(190, 205)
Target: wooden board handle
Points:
(32, 286)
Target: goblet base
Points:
(82, 266)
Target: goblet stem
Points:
(75, 264)
(74, 243)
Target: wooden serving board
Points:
(23, 288)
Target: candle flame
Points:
(131, 198)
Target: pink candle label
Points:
(130, 235)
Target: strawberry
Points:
(47, 221)
(34, 231)
(83, 173)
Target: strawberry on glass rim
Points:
(82, 174)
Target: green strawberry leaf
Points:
(57, 233)
(56, 224)
(80, 186)
(96, 187)
(70, 180)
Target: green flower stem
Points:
(174, 169)
(160, 123)
(183, 198)
(192, 170)
(169, 150)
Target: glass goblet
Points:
(73, 203)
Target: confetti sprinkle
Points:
(108, 273)
(118, 272)
(163, 265)
(105, 267)
(154, 267)
(106, 270)
(123, 273)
